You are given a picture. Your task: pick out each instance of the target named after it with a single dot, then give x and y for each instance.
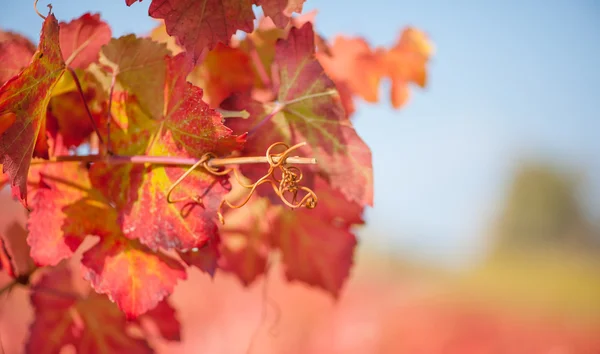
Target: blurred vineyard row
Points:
(536, 291)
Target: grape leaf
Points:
(92, 324)
(204, 258)
(66, 211)
(308, 112)
(352, 64)
(317, 245)
(140, 65)
(15, 54)
(133, 276)
(225, 70)
(67, 114)
(16, 251)
(200, 25)
(351, 61)
(164, 318)
(280, 11)
(81, 39)
(245, 244)
(23, 103)
(406, 63)
(60, 185)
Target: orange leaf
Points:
(225, 70)
(27, 95)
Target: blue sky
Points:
(510, 80)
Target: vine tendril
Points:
(289, 183)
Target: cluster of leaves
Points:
(166, 95)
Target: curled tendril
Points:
(287, 184)
(38, 13)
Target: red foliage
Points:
(132, 102)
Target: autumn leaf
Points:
(245, 243)
(23, 103)
(68, 210)
(200, 25)
(353, 65)
(67, 114)
(308, 111)
(60, 186)
(15, 54)
(280, 11)
(165, 320)
(317, 245)
(15, 251)
(92, 324)
(225, 70)
(352, 61)
(205, 258)
(132, 276)
(140, 67)
(81, 40)
(406, 63)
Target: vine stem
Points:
(173, 161)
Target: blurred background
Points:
(485, 235)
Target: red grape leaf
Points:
(66, 211)
(140, 65)
(164, 318)
(317, 244)
(280, 11)
(133, 276)
(16, 250)
(92, 324)
(225, 70)
(245, 245)
(205, 258)
(15, 53)
(200, 25)
(67, 114)
(81, 40)
(23, 100)
(309, 112)
(60, 185)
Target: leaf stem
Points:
(172, 160)
(87, 109)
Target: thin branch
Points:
(173, 161)
(87, 109)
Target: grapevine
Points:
(149, 144)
